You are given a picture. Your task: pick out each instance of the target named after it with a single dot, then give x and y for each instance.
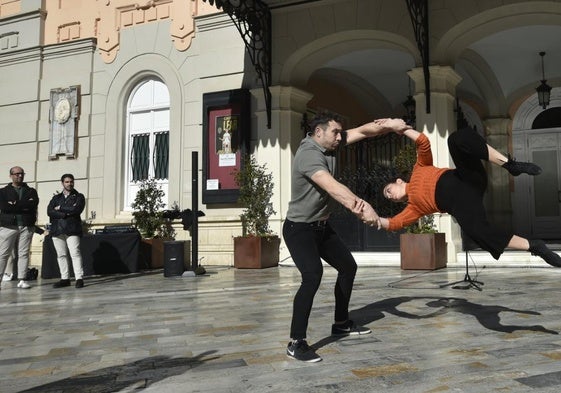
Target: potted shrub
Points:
(421, 247)
(258, 247)
(149, 220)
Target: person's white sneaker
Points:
(23, 285)
(7, 277)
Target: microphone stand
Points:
(471, 283)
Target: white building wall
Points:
(304, 37)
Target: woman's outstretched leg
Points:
(536, 247)
(514, 167)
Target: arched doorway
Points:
(537, 200)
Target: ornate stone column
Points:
(276, 146)
(437, 125)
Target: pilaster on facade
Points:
(277, 145)
(438, 125)
(442, 120)
(497, 132)
(498, 199)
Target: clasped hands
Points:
(366, 213)
(399, 126)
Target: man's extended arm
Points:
(345, 197)
(375, 128)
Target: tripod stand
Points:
(471, 283)
(467, 245)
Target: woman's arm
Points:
(401, 220)
(374, 128)
(383, 223)
(411, 134)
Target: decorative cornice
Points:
(87, 45)
(105, 19)
(21, 56)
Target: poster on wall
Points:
(226, 135)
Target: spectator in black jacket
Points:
(66, 229)
(18, 207)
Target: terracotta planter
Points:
(152, 253)
(253, 252)
(425, 251)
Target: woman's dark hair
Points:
(391, 180)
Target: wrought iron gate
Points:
(365, 167)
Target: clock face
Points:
(62, 110)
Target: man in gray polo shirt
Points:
(307, 233)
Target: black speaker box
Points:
(174, 258)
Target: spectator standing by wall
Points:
(66, 229)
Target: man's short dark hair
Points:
(69, 175)
(323, 118)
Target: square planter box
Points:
(426, 251)
(253, 252)
(152, 253)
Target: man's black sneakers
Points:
(516, 168)
(348, 329)
(538, 247)
(300, 350)
(61, 284)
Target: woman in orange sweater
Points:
(459, 192)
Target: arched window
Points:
(147, 136)
(550, 118)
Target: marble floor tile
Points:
(226, 331)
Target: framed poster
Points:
(226, 133)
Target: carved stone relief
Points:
(105, 19)
(63, 117)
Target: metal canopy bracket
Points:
(419, 12)
(252, 18)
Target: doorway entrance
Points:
(545, 189)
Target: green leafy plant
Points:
(148, 215)
(404, 161)
(256, 190)
(166, 230)
(423, 225)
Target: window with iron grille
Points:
(148, 134)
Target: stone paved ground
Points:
(227, 332)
